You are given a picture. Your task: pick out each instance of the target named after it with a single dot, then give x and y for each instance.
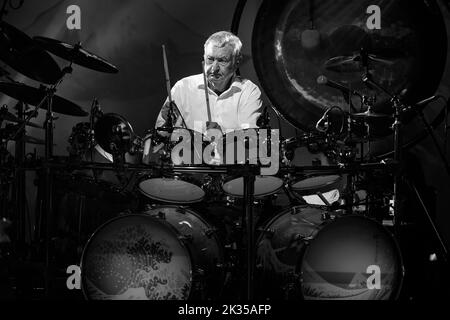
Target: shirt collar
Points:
(236, 83)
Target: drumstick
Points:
(166, 71)
(206, 91)
(168, 87)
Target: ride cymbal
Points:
(76, 54)
(34, 96)
(22, 54)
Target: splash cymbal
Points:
(76, 54)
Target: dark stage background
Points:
(129, 34)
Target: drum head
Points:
(352, 258)
(316, 184)
(136, 257)
(171, 190)
(264, 186)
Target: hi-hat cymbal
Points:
(22, 54)
(76, 54)
(370, 114)
(8, 116)
(34, 96)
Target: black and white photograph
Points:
(229, 155)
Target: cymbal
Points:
(353, 63)
(34, 96)
(370, 114)
(8, 116)
(76, 54)
(23, 55)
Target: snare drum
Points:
(304, 253)
(174, 188)
(166, 253)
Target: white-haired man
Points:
(235, 103)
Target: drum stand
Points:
(398, 109)
(249, 187)
(48, 181)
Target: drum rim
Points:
(197, 184)
(322, 188)
(97, 230)
(267, 223)
(191, 211)
(390, 235)
(234, 177)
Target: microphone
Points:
(332, 84)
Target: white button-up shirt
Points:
(239, 107)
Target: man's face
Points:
(219, 65)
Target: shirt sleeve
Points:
(251, 108)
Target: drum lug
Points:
(325, 216)
(161, 215)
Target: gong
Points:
(402, 44)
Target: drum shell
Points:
(115, 264)
(292, 240)
(205, 246)
(188, 234)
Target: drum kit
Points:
(156, 230)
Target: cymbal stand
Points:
(248, 172)
(399, 107)
(19, 185)
(48, 177)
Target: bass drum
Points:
(166, 253)
(304, 253)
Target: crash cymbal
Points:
(354, 63)
(34, 96)
(76, 54)
(22, 54)
(8, 116)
